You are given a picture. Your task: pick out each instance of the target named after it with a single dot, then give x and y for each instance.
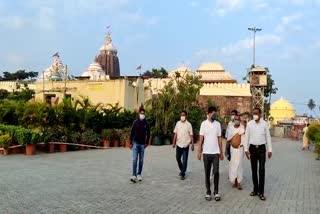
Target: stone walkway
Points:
(96, 181)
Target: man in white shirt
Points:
(183, 136)
(210, 145)
(230, 125)
(257, 141)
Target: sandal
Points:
(262, 198)
(239, 187)
(253, 194)
(217, 197)
(208, 197)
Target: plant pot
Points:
(30, 149)
(116, 143)
(127, 144)
(167, 140)
(51, 148)
(63, 147)
(16, 150)
(82, 147)
(5, 151)
(106, 143)
(157, 140)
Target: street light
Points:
(254, 29)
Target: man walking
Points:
(210, 145)
(236, 140)
(230, 125)
(183, 136)
(257, 141)
(139, 139)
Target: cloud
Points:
(289, 23)
(222, 7)
(12, 22)
(317, 44)
(262, 40)
(45, 19)
(291, 53)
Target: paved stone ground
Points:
(96, 181)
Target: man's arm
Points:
(220, 147)
(191, 137)
(246, 141)
(132, 132)
(174, 140)
(200, 147)
(148, 134)
(268, 138)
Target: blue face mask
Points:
(213, 117)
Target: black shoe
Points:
(262, 198)
(253, 194)
(182, 177)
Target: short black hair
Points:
(212, 109)
(184, 111)
(259, 109)
(235, 112)
(141, 109)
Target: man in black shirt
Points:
(139, 139)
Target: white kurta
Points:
(236, 162)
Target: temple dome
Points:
(281, 110)
(95, 72)
(108, 46)
(182, 70)
(55, 72)
(211, 67)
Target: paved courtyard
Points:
(96, 181)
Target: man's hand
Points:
(221, 156)
(269, 155)
(199, 156)
(174, 145)
(192, 147)
(248, 155)
(130, 147)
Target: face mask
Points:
(232, 117)
(255, 117)
(213, 117)
(183, 118)
(142, 116)
(237, 122)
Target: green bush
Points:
(313, 131)
(90, 137)
(5, 140)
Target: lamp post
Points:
(254, 29)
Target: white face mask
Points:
(255, 117)
(183, 118)
(142, 116)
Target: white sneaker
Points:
(139, 177)
(133, 179)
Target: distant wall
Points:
(13, 85)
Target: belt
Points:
(257, 146)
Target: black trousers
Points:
(258, 155)
(182, 152)
(210, 160)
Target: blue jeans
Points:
(138, 152)
(182, 165)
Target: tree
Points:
(156, 73)
(18, 75)
(270, 89)
(312, 105)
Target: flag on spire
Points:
(56, 54)
(139, 67)
(109, 26)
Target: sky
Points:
(168, 34)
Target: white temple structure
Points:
(95, 72)
(56, 71)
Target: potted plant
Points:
(5, 142)
(106, 135)
(115, 138)
(124, 137)
(90, 137)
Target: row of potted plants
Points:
(12, 136)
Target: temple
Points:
(56, 71)
(108, 58)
